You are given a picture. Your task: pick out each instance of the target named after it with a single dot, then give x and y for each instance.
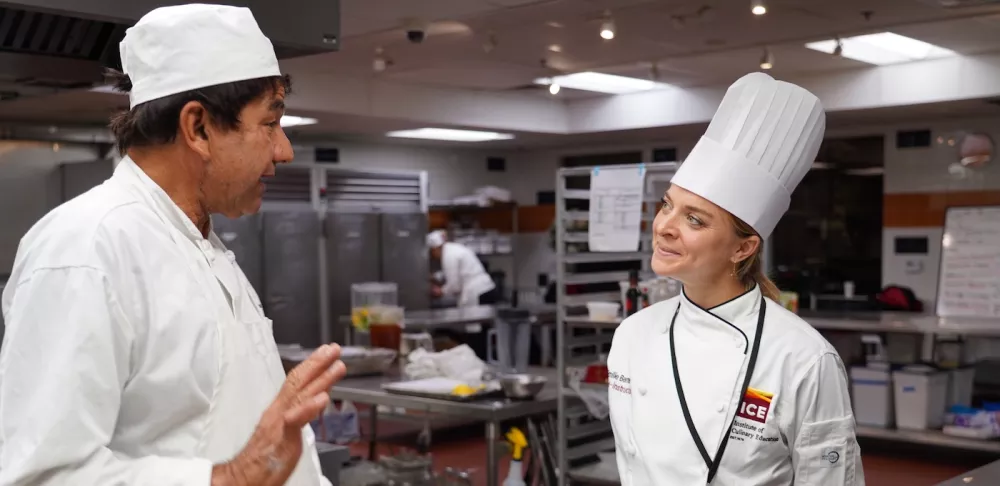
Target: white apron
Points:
(251, 372)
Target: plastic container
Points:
(872, 390)
(602, 311)
(374, 303)
(960, 383)
(921, 393)
(371, 294)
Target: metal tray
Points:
(375, 361)
(401, 388)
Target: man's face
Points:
(243, 158)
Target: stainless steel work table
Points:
(492, 411)
(432, 319)
(988, 475)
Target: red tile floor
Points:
(885, 464)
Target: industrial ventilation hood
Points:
(52, 45)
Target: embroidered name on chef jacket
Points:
(754, 409)
(619, 383)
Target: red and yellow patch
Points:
(755, 405)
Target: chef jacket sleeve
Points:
(310, 448)
(451, 265)
(64, 363)
(825, 448)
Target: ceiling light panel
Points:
(296, 121)
(601, 83)
(451, 135)
(882, 48)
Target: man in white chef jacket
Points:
(721, 385)
(136, 352)
(465, 277)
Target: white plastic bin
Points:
(871, 387)
(921, 393)
(602, 311)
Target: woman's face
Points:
(694, 240)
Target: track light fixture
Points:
(767, 60)
(607, 27)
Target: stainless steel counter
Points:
(988, 475)
(428, 320)
(368, 390)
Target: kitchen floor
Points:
(885, 464)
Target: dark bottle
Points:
(632, 294)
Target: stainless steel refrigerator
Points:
(314, 238)
(375, 228)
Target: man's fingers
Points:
(323, 382)
(303, 412)
(315, 395)
(307, 371)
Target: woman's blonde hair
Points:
(751, 269)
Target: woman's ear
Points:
(747, 248)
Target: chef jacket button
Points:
(631, 451)
(642, 390)
(739, 344)
(720, 408)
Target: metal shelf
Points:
(595, 257)
(578, 300)
(577, 344)
(586, 321)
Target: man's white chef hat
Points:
(176, 49)
(758, 147)
(435, 238)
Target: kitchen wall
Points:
(29, 188)
(918, 188)
(456, 172)
(910, 174)
(451, 171)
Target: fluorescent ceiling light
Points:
(449, 134)
(107, 89)
(296, 121)
(882, 48)
(600, 82)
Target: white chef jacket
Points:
(464, 274)
(136, 352)
(796, 423)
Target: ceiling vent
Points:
(66, 44)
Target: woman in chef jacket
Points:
(721, 385)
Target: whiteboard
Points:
(969, 280)
(615, 208)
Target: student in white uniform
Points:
(722, 385)
(136, 351)
(464, 275)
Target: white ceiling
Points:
(713, 47)
(692, 43)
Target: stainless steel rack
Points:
(579, 339)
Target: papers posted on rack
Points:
(615, 208)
